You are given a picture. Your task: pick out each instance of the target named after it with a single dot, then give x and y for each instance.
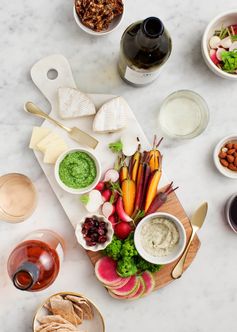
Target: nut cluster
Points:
(98, 14)
(228, 156)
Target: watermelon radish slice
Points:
(128, 288)
(105, 271)
(123, 283)
(149, 282)
(140, 291)
(128, 296)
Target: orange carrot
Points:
(123, 173)
(129, 193)
(152, 186)
(154, 155)
(135, 163)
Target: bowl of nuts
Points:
(94, 232)
(98, 18)
(225, 156)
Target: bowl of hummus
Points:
(77, 171)
(160, 238)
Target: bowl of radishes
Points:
(219, 45)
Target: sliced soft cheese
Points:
(54, 150)
(38, 133)
(44, 143)
(112, 116)
(74, 103)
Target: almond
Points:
(224, 162)
(235, 154)
(235, 146)
(230, 158)
(235, 162)
(222, 155)
(229, 145)
(231, 151)
(232, 167)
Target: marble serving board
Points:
(71, 204)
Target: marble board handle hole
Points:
(52, 74)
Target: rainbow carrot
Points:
(128, 194)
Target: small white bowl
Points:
(73, 190)
(177, 250)
(98, 246)
(112, 27)
(223, 170)
(224, 19)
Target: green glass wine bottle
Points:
(145, 47)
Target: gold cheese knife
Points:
(75, 133)
(196, 223)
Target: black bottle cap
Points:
(152, 27)
(26, 276)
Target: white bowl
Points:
(98, 246)
(112, 27)
(73, 190)
(224, 19)
(223, 170)
(177, 250)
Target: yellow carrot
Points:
(129, 193)
(135, 164)
(154, 155)
(123, 173)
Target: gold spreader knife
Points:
(75, 133)
(196, 223)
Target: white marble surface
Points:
(205, 297)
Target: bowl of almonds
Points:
(225, 156)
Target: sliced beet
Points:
(149, 282)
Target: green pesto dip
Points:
(77, 170)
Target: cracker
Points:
(64, 308)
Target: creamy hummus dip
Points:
(159, 237)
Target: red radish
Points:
(122, 230)
(214, 42)
(160, 199)
(233, 46)
(226, 42)
(108, 209)
(111, 175)
(92, 201)
(106, 194)
(120, 211)
(113, 220)
(100, 186)
(213, 57)
(219, 52)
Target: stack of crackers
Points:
(66, 312)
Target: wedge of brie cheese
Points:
(74, 103)
(112, 116)
(38, 133)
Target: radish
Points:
(106, 194)
(213, 57)
(92, 201)
(214, 42)
(219, 53)
(100, 186)
(120, 211)
(130, 143)
(113, 220)
(108, 209)
(122, 230)
(226, 42)
(111, 175)
(233, 46)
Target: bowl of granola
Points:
(98, 17)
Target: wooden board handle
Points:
(51, 73)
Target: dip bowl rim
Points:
(157, 259)
(74, 190)
(98, 246)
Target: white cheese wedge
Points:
(112, 116)
(44, 143)
(38, 133)
(74, 103)
(53, 151)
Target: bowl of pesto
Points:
(77, 171)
